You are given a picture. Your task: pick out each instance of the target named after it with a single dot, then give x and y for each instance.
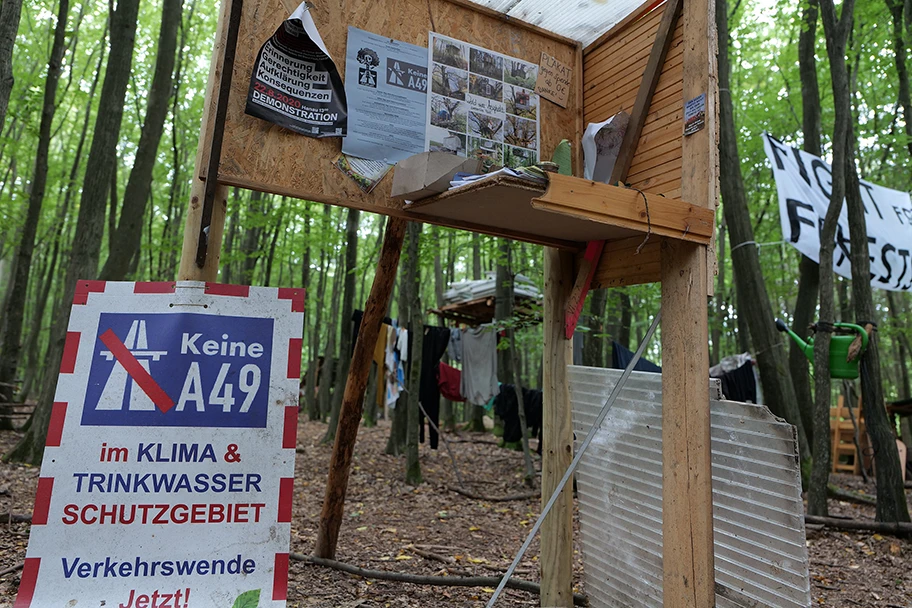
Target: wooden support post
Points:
(687, 529)
(687, 519)
(350, 414)
(557, 529)
(189, 270)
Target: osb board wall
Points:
(261, 156)
(611, 78)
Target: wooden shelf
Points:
(566, 213)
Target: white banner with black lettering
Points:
(804, 184)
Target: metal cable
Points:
(576, 459)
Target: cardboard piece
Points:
(429, 173)
(554, 80)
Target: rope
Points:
(615, 392)
(648, 222)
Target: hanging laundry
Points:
(449, 380)
(402, 342)
(507, 407)
(433, 345)
(621, 356)
(739, 380)
(454, 348)
(479, 364)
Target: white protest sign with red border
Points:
(168, 472)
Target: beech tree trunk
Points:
(10, 11)
(345, 343)
(90, 223)
(770, 354)
(837, 33)
(416, 333)
(808, 283)
(125, 240)
(328, 369)
(899, 57)
(594, 343)
(10, 347)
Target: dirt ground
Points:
(430, 530)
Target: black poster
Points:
(295, 83)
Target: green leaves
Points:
(248, 599)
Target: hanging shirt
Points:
(402, 344)
(479, 364)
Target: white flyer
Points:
(386, 87)
(169, 466)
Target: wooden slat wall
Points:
(611, 77)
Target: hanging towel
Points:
(479, 364)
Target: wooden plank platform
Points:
(566, 213)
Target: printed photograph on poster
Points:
(168, 469)
(387, 88)
(295, 83)
(481, 100)
(366, 173)
(449, 81)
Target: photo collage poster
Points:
(482, 105)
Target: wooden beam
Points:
(627, 208)
(594, 249)
(557, 528)
(687, 520)
(350, 414)
(647, 88)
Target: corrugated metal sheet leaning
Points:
(760, 552)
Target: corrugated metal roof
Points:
(582, 20)
(760, 553)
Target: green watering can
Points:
(840, 367)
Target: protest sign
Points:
(295, 83)
(804, 182)
(169, 464)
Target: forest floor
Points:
(429, 530)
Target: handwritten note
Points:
(553, 80)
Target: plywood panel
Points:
(262, 156)
(611, 78)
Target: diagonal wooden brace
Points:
(593, 255)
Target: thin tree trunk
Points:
(345, 322)
(90, 223)
(899, 58)
(270, 257)
(329, 367)
(836, 37)
(10, 348)
(777, 384)
(125, 240)
(416, 331)
(808, 284)
(476, 412)
(594, 344)
(10, 11)
(311, 384)
(721, 308)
